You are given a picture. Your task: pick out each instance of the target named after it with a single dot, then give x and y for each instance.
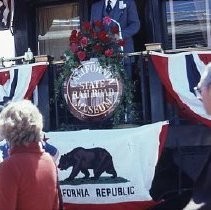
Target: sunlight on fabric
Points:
(7, 46)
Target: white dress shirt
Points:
(113, 2)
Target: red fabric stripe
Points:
(206, 58)
(144, 205)
(162, 138)
(37, 73)
(4, 76)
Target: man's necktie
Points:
(108, 8)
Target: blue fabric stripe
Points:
(193, 74)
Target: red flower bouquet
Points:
(97, 40)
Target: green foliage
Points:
(95, 42)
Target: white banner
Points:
(119, 164)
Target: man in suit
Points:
(122, 11)
(125, 13)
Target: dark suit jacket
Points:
(127, 18)
(202, 189)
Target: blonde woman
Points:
(28, 177)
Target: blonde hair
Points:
(21, 123)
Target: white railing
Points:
(26, 58)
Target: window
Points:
(55, 24)
(188, 23)
(6, 36)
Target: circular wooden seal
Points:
(92, 92)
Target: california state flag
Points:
(125, 157)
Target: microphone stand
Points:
(120, 30)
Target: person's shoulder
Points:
(8, 164)
(48, 160)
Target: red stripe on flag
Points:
(206, 58)
(37, 73)
(142, 205)
(162, 138)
